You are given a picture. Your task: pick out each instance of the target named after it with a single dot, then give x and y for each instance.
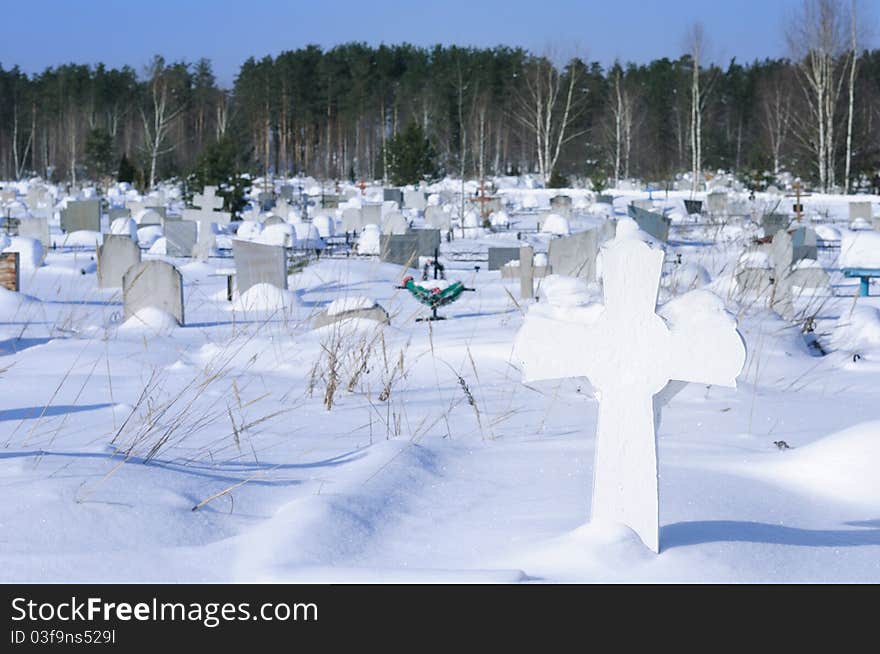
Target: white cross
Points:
(205, 215)
(629, 353)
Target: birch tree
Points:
(696, 43)
(547, 107)
(776, 115)
(163, 108)
(622, 111)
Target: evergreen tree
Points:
(411, 157)
(127, 172)
(98, 153)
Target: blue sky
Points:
(38, 34)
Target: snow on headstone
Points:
(860, 250)
(155, 284)
(116, 255)
(257, 263)
(394, 223)
(860, 210)
(206, 214)
(630, 354)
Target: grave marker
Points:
(630, 354)
(655, 224)
(156, 284)
(10, 271)
(115, 256)
(81, 215)
(207, 213)
(180, 238)
(500, 256)
(257, 263)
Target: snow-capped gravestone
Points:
(351, 307)
(655, 224)
(860, 210)
(257, 263)
(436, 218)
(561, 204)
(115, 256)
(180, 238)
(394, 223)
(153, 284)
(371, 214)
(81, 215)
(352, 220)
(414, 200)
(36, 227)
(499, 256)
(630, 353)
(206, 213)
(575, 255)
(716, 203)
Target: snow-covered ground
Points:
(434, 462)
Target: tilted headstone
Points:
(10, 271)
(394, 223)
(415, 200)
(115, 256)
(575, 255)
(393, 195)
(860, 210)
(180, 238)
(81, 215)
(436, 218)
(37, 228)
(256, 263)
(655, 224)
(630, 355)
(561, 204)
(500, 256)
(156, 284)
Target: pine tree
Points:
(411, 157)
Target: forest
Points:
(330, 113)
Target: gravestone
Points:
(500, 256)
(773, 222)
(602, 198)
(156, 284)
(805, 282)
(526, 272)
(115, 256)
(781, 253)
(256, 263)
(287, 192)
(272, 219)
(37, 228)
(716, 203)
(393, 195)
(352, 220)
(436, 218)
(630, 355)
(860, 210)
(414, 200)
(575, 255)
(405, 249)
(282, 208)
(805, 244)
(10, 271)
(206, 214)
(693, 206)
(180, 238)
(359, 308)
(159, 209)
(119, 212)
(561, 204)
(394, 223)
(655, 224)
(329, 201)
(81, 215)
(371, 214)
(266, 200)
(647, 205)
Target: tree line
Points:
(485, 111)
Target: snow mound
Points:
(283, 235)
(325, 225)
(564, 291)
(842, 466)
(82, 238)
(827, 233)
(151, 319)
(11, 303)
(148, 236)
(369, 242)
(499, 219)
(555, 224)
(264, 297)
(860, 250)
(30, 251)
(249, 230)
(124, 227)
(857, 330)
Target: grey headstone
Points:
(526, 272)
(393, 194)
(35, 228)
(647, 205)
(153, 283)
(716, 203)
(804, 243)
(654, 224)
(500, 256)
(180, 238)
(575, 255)
(402, 249)
(329, 201)
(605, 199)
(287, 192)
(115, 256)
(257, 263)
(81, 215)
(860, 210)
(119, 212)
(371, 214)
(808, 284)
(781, 253)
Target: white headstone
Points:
(116, 255)
(154, 284)
(630, 353)
(206, 215)
(256, 263)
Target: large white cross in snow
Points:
(629, 353)
(206, 214)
